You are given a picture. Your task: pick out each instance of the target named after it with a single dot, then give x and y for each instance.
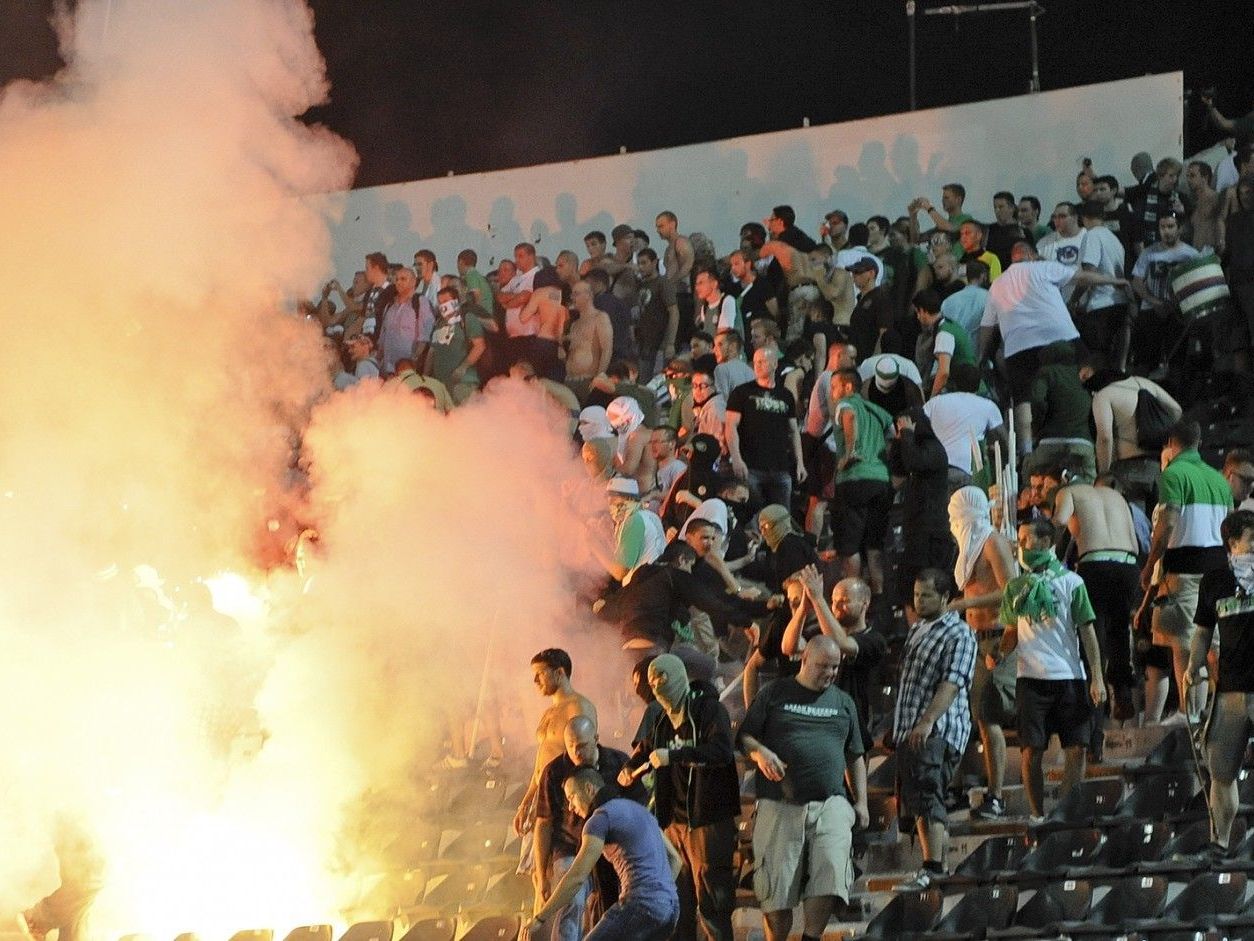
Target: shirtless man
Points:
(551, 670)
(546, 307)
(985, 564)
(1100, 524)
(591, 338)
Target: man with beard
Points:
(802, 734)
(916, 454)
(1007, 230)
(551, 670)
(696, 794)
(558, 824)
(932, 719)
(709, 408)
(984, 566)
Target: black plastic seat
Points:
(1129, 844)
(310, 933)
(1053, 903)
(1129, 901)
(882, 809)
(495, 928)
(1058, 854)
(1159, 796)
(907, 915)
(1180, 853)
(432, 929)
(1088, 802)
(474, 843)
(368, 931)
(884, 778)
(455, 890)
(1206, 898)
(998, 855)
(989, 907)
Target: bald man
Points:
(802, 734)
(862, 649)
(559, 827)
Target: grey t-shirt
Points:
(812, 733)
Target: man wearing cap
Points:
(696, 794)
(891, 384)
(872, 316)
(638, 534)
(624, 278)
(761, 430)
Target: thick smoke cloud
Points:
(162, 206)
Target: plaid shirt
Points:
(943, 650)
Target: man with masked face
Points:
(457, 343)
(696, 794)
(638, 534)
(632, 457)
(984, 566)
(1226, 602)
(789, 550)
(1047, 616)
(802, 734)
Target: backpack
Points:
(1153, 421)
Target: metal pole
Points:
(910, 34)
(1035, 86)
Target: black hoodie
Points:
(919, 456)
(700, 785)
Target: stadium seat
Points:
(509, 891)
(883, 779)
(883, 813)
(1129, 901)
(1085, 804)
(1057, 854)
(1180, 853)
(310, 933)
(474, 843)
(421, 844)
(432, 929)
(1205, 898)
(1173, 753)
(1129, 844)
(989, 907)
(251, 934)
(996, 856)
(909, 913)
(495, 928)
(455, 890)
(1159, 796)
(1053, 903)
(368, 931)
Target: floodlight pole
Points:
(1034, 10)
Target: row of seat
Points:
(1136, 904)
(490, 928)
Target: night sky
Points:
(422, 87)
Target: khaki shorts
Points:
(1173, 617)
(802, 851)
(1228, 733)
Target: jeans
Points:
(634, 921)
(770, 487)
(568, 925)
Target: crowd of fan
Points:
(797, 443)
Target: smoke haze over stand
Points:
(152, 391)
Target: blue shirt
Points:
(965, 308)
(633, 845)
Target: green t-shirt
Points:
(450, 342)
(961, 352)
(477, 282)
(813, 733)
(870, 424)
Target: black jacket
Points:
(702, 752)
(919, 456)
(659, 594)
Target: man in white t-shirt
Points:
(960, 419)
(1151, 280)
(1103, 316)
(1026, 305)
(514, 296)
(1065, 243)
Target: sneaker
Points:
(1035, 821)
(991, 809)
(921, 880)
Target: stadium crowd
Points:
(805, 446)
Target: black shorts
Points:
(1053, 707)
(820, 464)
(860, 515)
(923, 779)
(1022, 369)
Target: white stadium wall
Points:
(1027, 144)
